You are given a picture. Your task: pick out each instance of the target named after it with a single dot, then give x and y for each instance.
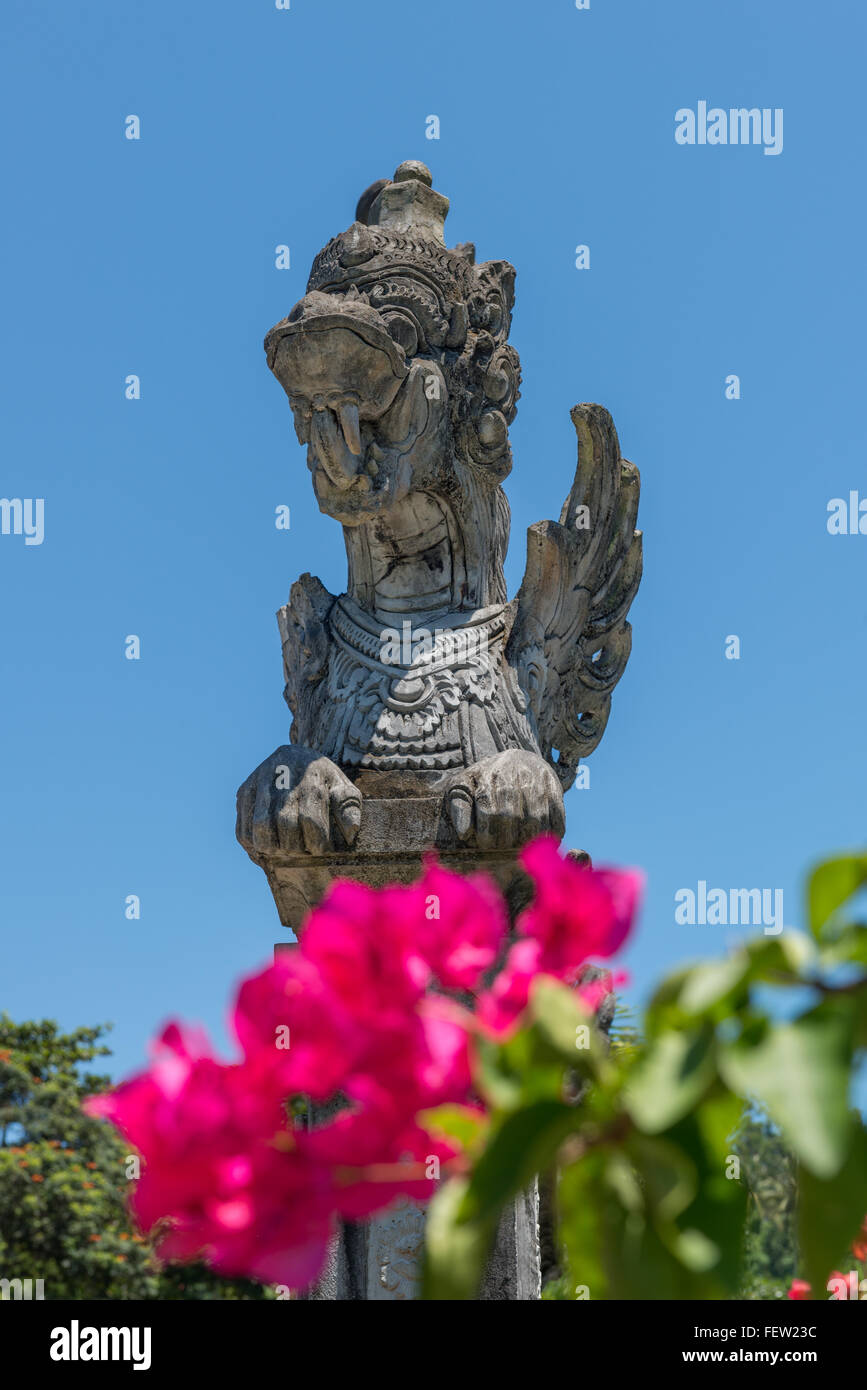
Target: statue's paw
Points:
(297, 800)
(506, 800)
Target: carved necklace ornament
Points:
(416, 700)
(403, 384)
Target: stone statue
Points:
(422, 684)
(428, 711)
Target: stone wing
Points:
(306, 640)
(570, 640)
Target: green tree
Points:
(771, 1237)
(64, 1180)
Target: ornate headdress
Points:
(435, 303)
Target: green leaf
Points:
(533, 1064)
(467, 1126)
(558, 1015)
(666, 995)
(668, 1177)
(849, 947)
(717, 987)
(696, 1251)
(524, 1144)
(671, 1077)
(800, 1073)
(621, 1248)
(717, 1213)
(717, 1120)
(708, 985)
(787, 954)
(455, 1250)
(590, 1220)
(497, 1071)
(831, 884)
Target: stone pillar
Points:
(429, 711)
(380, 1260)
(395, 834)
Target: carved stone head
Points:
(403, 384)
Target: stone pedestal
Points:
(380, 1260)
(395, 834)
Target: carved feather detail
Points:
(570, 640)
(306, 640)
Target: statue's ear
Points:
(503, 274)
(494, 299)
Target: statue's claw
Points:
(297, 800)
(461, 811)
(506, 800)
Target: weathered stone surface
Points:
(395, 833)
(381, 1260)
(428, 711)
(402, 384)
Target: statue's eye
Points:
(403, 331)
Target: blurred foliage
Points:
(659, 1176)
(770, 1260)
(63, 1180)
(624, 1034)
(710, 1150)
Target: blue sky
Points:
(156, 257)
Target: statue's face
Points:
(375, 423)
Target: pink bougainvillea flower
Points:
(375, 1154)
(373, 958)
(594, 992)
(799, 1291)
(361, 942)
(289, 1023)
(859, 1245)
(183, 1094)
(443, 1066)
(425, 1063)
(578, 913)
(348, 1012)
(274, 1226)
(222, 1179)
(838, 1286)
(446, 925)
(459, 924)
(500, 1007)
